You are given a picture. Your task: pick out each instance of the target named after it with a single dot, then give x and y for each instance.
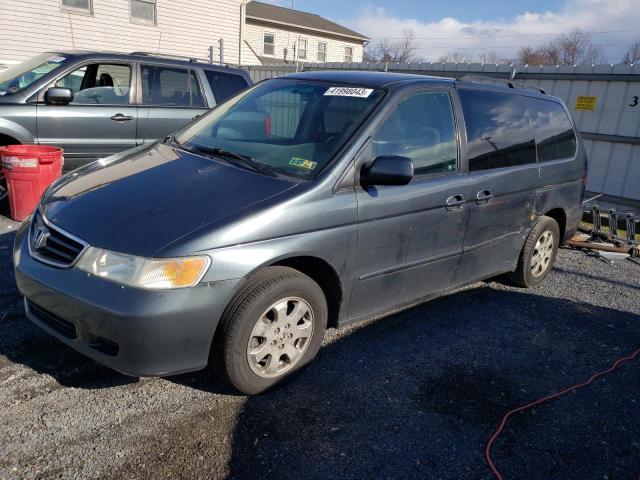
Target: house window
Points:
(269, 46)
(348, 54)
(143, 11)
(84, 5)
(322, 52)
(302, 49)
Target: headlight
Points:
(149, 273)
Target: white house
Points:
(275, 34)
(177, 27)
(192, 28)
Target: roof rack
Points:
(184, 57)
(500, 81)
(178, 57)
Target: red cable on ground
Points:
(505, 419)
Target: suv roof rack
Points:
(500, 81)
(183, 57)
(177, 57)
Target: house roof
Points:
(295, 18)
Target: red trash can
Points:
(29, 170)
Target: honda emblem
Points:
(40, 236)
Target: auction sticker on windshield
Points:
(348, 92)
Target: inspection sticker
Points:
(348, 92)
(586, 102)
(302, 163)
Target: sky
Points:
(473, 26)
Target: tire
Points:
(540, 249)
(252, 323)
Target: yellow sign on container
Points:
(586, 103)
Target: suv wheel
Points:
(538, 254)
(273, 328)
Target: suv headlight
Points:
(140, 272)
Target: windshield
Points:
(20, 76)
(291, 127)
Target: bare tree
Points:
(573, 48)
(393, 51)
(576, 47)
(551, 54)
(456, 57)
(493, 58)
(489, 57)
(633, 54)
(529, 56)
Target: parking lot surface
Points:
(415, 395)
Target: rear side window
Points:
(500, 129)
(225, 85)
(555, 138)
(171, 87)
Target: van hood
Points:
(140, 201)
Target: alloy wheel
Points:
(280, 337)
(542, 253)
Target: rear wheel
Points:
(538, 254)
(273, 328)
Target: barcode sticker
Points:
(348, 92)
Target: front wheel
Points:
(272, 328)
(538, 254)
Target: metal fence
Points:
(604, 101)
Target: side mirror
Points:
(58, 96)
(387, 170)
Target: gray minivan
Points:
(305, 202)
(95, 104)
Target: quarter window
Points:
(143, 11)
(500, 129)
(86, 5)
(348, 54)
(171, 87)
(322, 52)
(422, 127)
(555, 138)
(302, 49)
(269, 46)
(99, 84)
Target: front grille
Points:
(58, 324)
(51, 245)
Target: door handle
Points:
(118, 117)
(454, 203)
(483, 197)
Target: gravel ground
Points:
(415, 395)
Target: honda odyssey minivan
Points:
(303, 203)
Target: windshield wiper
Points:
(237, 158)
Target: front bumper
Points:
(137, 332)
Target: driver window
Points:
(422, 128)
(99, 84)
